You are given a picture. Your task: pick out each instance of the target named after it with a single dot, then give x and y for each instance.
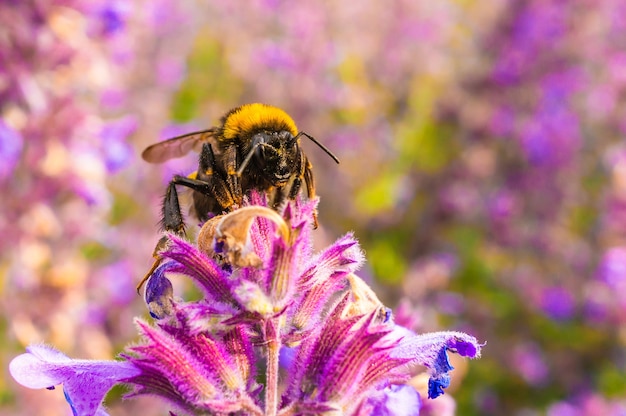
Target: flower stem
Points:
(272, 345)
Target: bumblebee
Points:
(255, 147)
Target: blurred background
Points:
(483, 169)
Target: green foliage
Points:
(208, 78)
(379, 195)
(386, 259)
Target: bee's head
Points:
(274, 154)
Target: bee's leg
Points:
(300, 173)
(295, 187)
(208, 173)
(172, 218)
(277, 197)
(155, 264)
(172, 221)
(304, 173)
(206, 164)
(310, 184)
(308, 179)
(214, 188)
(232, 179)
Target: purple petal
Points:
(85, 382)
(315, 351)
(436, 384)
(263, 231)
(351, 359)
(344, 256)
(325, 276)
(212, 355)
(310, 307)
(211, 278)
(166, 355)
(301, 212)
(41, 367)
(240, 347)
(284, 267)
(424, 349)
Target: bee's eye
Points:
(292, 142)
(287, 138)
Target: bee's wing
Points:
(178, 146)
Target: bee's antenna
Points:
(324, 148)
(248, 158)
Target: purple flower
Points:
(11, 143)
(112, 17)
(275, 55)
(529, 362)
(612, 269)
(558, 303)
(117, 152)
(264, 290)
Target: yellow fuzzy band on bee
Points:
(193, 175)
(252, 117)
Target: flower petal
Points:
(41, 367)
(436, 384)
(85, 382)
(205, 271)
(343, 256)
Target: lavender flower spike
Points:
(85, 382)
(265, 292)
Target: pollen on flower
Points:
(252, 297)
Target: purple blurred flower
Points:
(529, 362)
(273, 55)
(115, 147)
(588, 404)
(11, 143)
(558, 303)
(395, 400)
(502, 120)
(612, 269)
(111, 17)
(264, 289)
